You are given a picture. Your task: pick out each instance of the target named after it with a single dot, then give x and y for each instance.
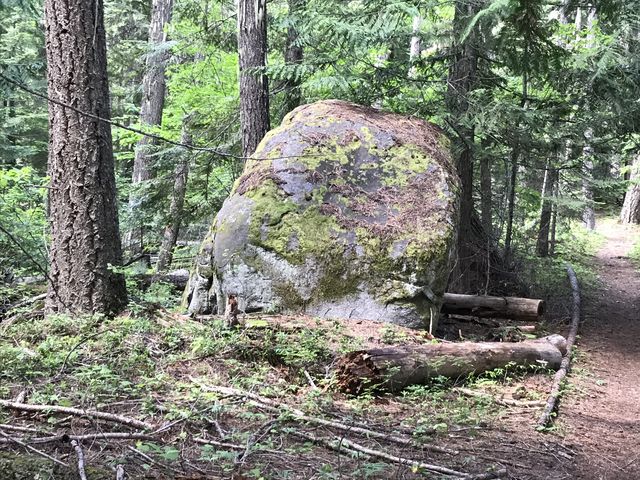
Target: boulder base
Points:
(343, 212)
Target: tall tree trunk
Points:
(588, 214)
(485, 193)
(631, 207)
(171, 231)
(554, 216)
(461, 81)
(153, 93)
(515, 156)
(85, 241)
(254, 85)
(293, 55)
(415, 45)
(542, 246)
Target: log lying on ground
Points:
(496, 307)
(552, 401)
(393, 368)
(178, 279)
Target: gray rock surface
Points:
(343, 212)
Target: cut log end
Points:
(356, 372)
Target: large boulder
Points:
(342, 212)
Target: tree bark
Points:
(153, 86)
(631, 208)
(254, 85)
(415, 45)
(485, 194)
(528, 309)
(85, 239)
(554, 206)
(588, 214)
(293, 55)
(153, 94)
(461, 81)
(394, 368)
(515, 155)
(181, 175)
(542, 246)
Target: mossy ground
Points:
(153, 364)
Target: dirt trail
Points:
(602, 414)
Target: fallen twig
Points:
(552, 401)
(252, 440)
(108, 417)
(120, 473)
(268, 404)
(20, 428)
(221, 433)
(80, 454)
(310, 380)
(89, 436)
(28, 301)
(343, 443)
(34, 450)
(231, 446)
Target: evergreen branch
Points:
(153, 136)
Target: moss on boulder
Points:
(343, 212)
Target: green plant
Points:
(391, 334)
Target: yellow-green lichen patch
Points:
(344, 204)
(334, 150)
(400, 164)
(277, 222)
(288, 296)
(339, 279)
(422, 249)
(367, 136)
(270, 205)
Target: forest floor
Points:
(260, 402)
(602, 413)
(596, 435)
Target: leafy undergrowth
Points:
(174, 373)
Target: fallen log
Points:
(493, 307)
(552, 401)
(393, 368)
(178, 279)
